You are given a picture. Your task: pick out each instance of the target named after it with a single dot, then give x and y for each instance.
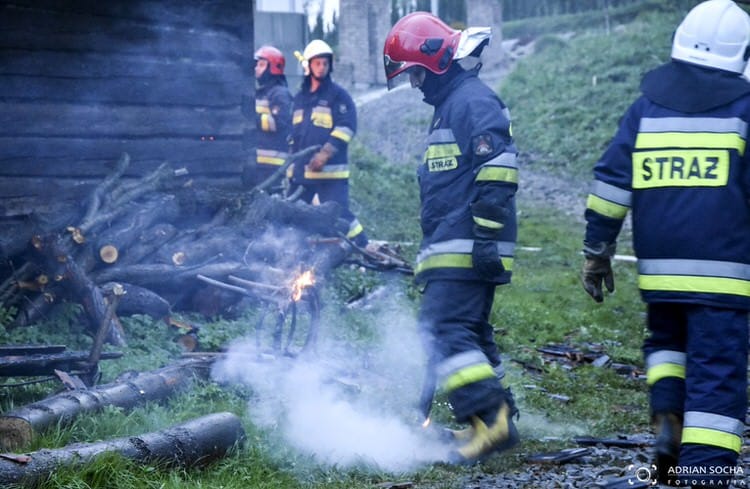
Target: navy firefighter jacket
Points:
(467, 180)
(679, 162)
(273, 109)
(327, 115)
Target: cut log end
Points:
(108, 253)
(15, 433)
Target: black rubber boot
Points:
(668, 431)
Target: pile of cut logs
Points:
(157, 236)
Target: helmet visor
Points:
(392, 67)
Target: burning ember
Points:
(426, 423)
(303, 281)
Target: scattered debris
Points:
(559, 457)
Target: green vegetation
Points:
(563, 120)
(567, 99)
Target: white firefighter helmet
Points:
(314, 48)
(714, 34)
(317, 48)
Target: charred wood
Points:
(195, 442)
(19, 426)
(82, 287)
(125, 231)
(38, 364)
(139, 300)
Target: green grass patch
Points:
(567, 99)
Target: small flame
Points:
(426, 423)
(303, 281)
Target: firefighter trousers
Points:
(696, 358)
(458, 338)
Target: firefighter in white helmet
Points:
(324, 114)
(679, 163)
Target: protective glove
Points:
(319, 159)
(485, 259)
(597, 269)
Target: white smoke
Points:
(348, 405)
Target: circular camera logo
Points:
(642, 474)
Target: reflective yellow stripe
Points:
(297, 117)
(488, 223)
(664, 370)
(468, 375)
(321, 119)
(706, 436)
(690, 140)
(606, 208)
(441, 151)
(497, 174)
(687, 283)
(454, 260)
(342, 135)
(322, 175)
(355, 231)
(270, 160)
(265, 123)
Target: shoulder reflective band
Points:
(697, 276)
(692, 132)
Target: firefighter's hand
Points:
(319, 159)
(317, 162)
(485, 258)
(597, 269)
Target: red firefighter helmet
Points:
(419, 39)
(275, 58)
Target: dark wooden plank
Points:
(52, 120)
(228, 14)
(21, 29)
(92, 65)
(74, 158)
(216, 93)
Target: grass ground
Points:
(562, 121)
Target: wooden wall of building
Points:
(82, 81)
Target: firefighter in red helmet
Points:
(273, 111)
(468, 179)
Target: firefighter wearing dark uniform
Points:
(467, 179)
(324, 114)
(273, 110)
(679, 163)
